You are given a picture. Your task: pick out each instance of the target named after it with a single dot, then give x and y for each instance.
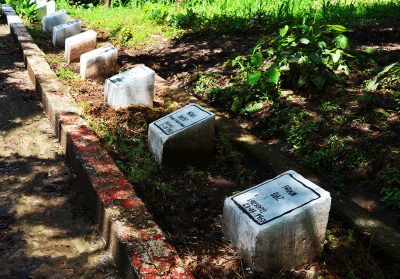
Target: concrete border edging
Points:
(137, 243)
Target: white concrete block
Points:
(132, 87)
(44, 8)
(54, 19)
(279, 223)
(79, 44)
(182, 137)
(63, 31)
(99, 64)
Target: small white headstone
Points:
(54, 19)
(63, 31)
(79, 44)
(132, 87)
(279, 223)
(44, 8)
(99, 64)
(184, 136)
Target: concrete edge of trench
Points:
(110, 192)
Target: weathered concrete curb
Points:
(382, 236)
(138, 245)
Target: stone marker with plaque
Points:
(279, 223)
(54, 19)
(132, 87)
(185, 136)
(44, 8)
(79, 44)
(63, 31)
(99, 64)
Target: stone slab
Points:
(132, 87)
(54, 19)
(185, 136)
(99, 63)
(79, 44)
(280, 223)
(44, 8)
(63, 31)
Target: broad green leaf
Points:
(252, 107)
(337, 28)
(342, 42)
(372, 84)
(283, 31)
(319, 82)
(336, 56)
(344, 69)
(386, 69)
(304, 41)
(236, 104)
(369, 50)
(256, 60)
(273, 75)
(322, 44)
(270, 51)
(253, 78)
(301, 81)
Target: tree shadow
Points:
(46, 228)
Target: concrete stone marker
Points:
(132, 87)
(54, 19)
(99, 64)
(185, 136)
(44, 8)
(279, 223)
(79, 44)
(63, 31)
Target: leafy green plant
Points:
(390, 176)
(306, 55)
(389, 77)
(67, 74)
(165, 187)
(158, 12)
(26, 8)
(391, 197)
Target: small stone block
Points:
(185, 136)
(279, 223)
(79, 44)
(44, 8)
(99, 63)
(63, 31)
(54, 19)
(132, 87)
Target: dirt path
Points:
(45, 229)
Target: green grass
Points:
(140, 22)
(127, 26)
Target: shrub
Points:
(26, 8)
(302, 56)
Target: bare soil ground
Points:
(45, 229)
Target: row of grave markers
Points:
(279, 223)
